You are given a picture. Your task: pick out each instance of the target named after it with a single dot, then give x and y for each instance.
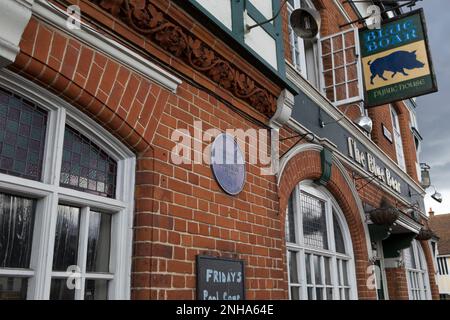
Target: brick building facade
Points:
(122, 85)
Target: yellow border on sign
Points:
(421, 55)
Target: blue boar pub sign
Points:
(220, 278)
(396, 60)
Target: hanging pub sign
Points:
(220, 278)
(396, 60)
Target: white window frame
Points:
(397, 135)
(297, 47)
(417, 278)
(379, 255)
(49, 194)
(301, 249)
(345, 65)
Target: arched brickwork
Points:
(306, 165)
(431, 272)
(123, 102)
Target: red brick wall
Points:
(382, 116)
(397, 283)
(409, 147)
(307, 165)
(180, 210)
(190, 214)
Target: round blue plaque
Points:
(228, 164)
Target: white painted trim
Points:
(299, 148)
(322, 193)
(325, 142)
(336, 161)
(102, 43)
(347, 124)
(358, 201)
(285, 104)
(49, 192)
(14, 17)
(16, 273)
(408, 224)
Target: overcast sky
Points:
(433, 111)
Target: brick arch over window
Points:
(431, 269)
(125, 103)
(306, 165)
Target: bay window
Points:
(66, 196)
(319, 251)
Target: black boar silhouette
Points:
(395, 62)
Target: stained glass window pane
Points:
(13, 288)
(314, 221)
(22, 136)
(99, 240)
(86, 167)
(66, 238)
(16, 231)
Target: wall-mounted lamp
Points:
(436, 195)
(304, 21)
(425, 175)
(363, 121)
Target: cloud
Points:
(433, 111)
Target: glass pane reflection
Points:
(66, 238)
(99, 240)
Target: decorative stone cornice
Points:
(14, 17)
(144, 18)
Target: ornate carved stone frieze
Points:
(144, 18)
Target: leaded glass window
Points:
(23, 128)
(86, 167)
(416, 272)
(314, 224)
(320, 265)
(49, 230)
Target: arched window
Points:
(66, 200)
(319, 250)
(416, 272)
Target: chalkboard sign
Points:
(220, 279)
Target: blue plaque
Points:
(228, 164)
